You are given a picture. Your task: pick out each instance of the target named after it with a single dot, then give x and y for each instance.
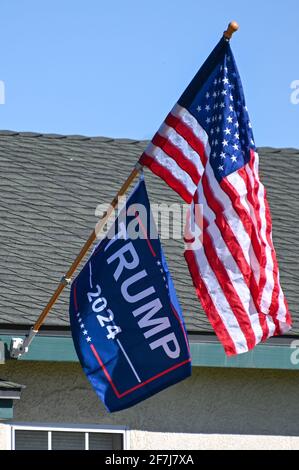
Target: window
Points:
(62, 438)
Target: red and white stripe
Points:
(177, 152)
(231, 259)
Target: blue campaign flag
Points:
(126, 322)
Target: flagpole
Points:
(19, 346)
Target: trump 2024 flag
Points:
(126, 321)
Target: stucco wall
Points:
(4, 437)
(178, 441)
(212, 401)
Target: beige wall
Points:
(177, 441)
(4, 437)
(212, 401)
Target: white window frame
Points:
(52, 427)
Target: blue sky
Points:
(116, 67)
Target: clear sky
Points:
(116, 67)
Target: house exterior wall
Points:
(215, 408)
(4, 434)
(184, 441)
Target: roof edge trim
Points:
(204, 354)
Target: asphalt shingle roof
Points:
(50, 186)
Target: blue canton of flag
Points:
(126, 321)
(220, 109)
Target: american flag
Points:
(205, 151)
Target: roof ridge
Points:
(8, 133)
(107, 140)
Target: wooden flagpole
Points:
(93, 236)
(18, 346)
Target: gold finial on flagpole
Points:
(232, 28)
